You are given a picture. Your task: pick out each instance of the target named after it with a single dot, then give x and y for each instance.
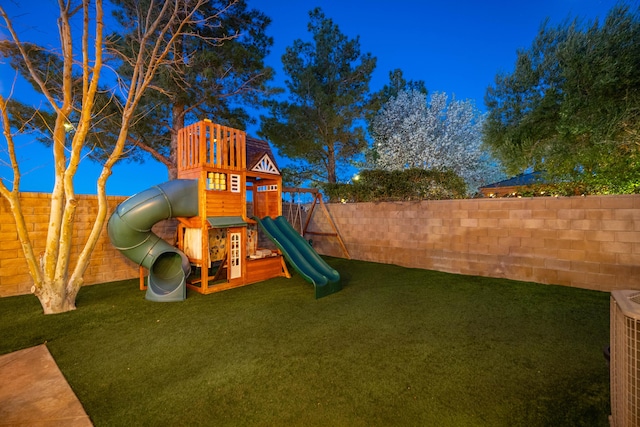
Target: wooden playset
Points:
(220, 170)
(222, 240)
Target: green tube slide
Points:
(304, 259)
(130, 232)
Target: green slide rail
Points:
(304, 259)
(130, 232)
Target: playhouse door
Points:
(236, 255)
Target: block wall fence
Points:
(106, 265)
(588, 242)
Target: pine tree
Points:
(328, 85)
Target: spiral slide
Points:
(130, 232)
(301, 255)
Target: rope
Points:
(294, 215)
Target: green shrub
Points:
(575, 189)
(409, 184)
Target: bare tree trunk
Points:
(332, 177)
(177, 122)
(54, 299)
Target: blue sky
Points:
(455, 46)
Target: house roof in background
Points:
(519, 180)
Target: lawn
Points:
(396, 346)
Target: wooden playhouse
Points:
(222, 240)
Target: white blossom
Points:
(410, 132)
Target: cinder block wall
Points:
(588, 242)
(107, 264)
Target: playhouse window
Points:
(264, 188)
(216, 181)
(234, 183)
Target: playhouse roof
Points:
(258, 154)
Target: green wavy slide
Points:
(299, 253)
(130, 232)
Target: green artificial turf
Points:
(396, 346)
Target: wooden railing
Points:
(206, 144)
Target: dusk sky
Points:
(456, 47)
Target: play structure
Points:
(217, 247)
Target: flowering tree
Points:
(409, 132)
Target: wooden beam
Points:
(335, 227)
(300, 190)
(317, 233)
